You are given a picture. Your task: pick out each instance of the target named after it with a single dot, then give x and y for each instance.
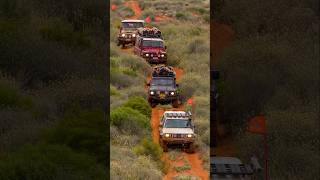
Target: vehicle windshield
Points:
(177, 123)
(148, 43)
(132, 24)
(162, 82)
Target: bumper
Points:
(156, 60)
(167, 99)
(126, 40)
(177, 141)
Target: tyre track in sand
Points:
(196, 164)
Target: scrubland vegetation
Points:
(132, 149)
(52, 89)
(273, 67)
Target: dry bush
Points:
(126, 165)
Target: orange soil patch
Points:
(196, 167)
(179, 72)
(134, 5)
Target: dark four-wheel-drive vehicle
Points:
(150, 46)
(177, 129)
(231, 168)
(128, 31)
(162, 88)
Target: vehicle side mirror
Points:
(160, 125)
(177, 85)
(148, 84)
(215, 74)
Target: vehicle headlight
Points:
(152, 92)
(123, 35)
(147, 55)
(189, 135)
(167, 135)
(162, 55)
(133, 35)
(172, 93)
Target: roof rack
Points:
(178, 115)
(163, 71)
(149, 32)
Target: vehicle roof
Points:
(133, 20)
(153, 39)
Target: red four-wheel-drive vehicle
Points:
(128, 31)
(150, 46)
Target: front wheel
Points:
(175, 103)
(191, 148)
(164, 146)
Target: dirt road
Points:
(196, 167)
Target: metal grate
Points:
(234, 169)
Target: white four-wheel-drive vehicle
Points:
(176, 128)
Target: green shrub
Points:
(186, 177)
(86, 132)
(129, 120)
(50, 162)
(139, 104)
(149, 148)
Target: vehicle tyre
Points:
(153, 105)
(123, 45)
(164, 146)
(175, 103)
(191, 148)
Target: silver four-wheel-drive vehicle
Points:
(162, 88)
(128, 31)
(177, 128)
(231, 168)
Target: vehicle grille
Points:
(178, 135)
(128, 36)
(155, 55)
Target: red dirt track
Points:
(193, 159)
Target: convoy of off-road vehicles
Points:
(176, 127)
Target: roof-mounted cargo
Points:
(149, 32)
(178, 115)
(163, 71)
